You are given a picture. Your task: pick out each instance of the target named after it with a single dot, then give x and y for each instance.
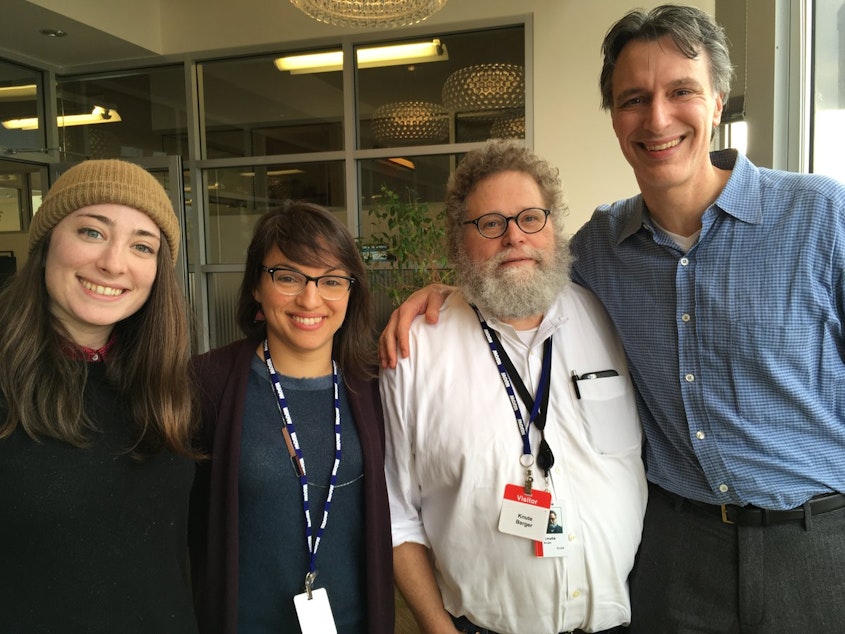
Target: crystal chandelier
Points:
(378, 14)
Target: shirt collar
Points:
(550, 322)
(89, 355)
(740, 198)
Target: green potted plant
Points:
(410, 243)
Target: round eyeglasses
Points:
(291, 282)
(494, 225)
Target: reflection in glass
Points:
(254, 109)
(236, 197)
(152, 111)
(410, 123)
(20, 98)
(223, 300)
(419, 179)
(20, 195)
(497, 60)
(422, 177)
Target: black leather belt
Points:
(754, 515)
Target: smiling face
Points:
(664, 111)
(300, 328)
(100, 268)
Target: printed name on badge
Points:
(525, 514)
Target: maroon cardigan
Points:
(222, 377)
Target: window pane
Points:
(254, 109)
(420, 178)
(474, 90)
(237, 196)
(139, 114)
(21, 118)
(829, 83)
(223, 301)
(412, 179)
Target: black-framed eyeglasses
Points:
(494, 225)
(291, 282)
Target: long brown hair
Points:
(148, 364)
(311, 235)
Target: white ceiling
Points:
(132, 32)
(84, 45)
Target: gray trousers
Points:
(695, 574)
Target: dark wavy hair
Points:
(42, 386)
(311, 235)
(691, 29)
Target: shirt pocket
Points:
(609, 414)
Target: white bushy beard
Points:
(519, 291)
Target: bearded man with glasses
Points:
(518, 401)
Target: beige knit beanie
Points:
(97, 182)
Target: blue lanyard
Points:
(312, 541)
(527, 458)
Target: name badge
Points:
(525, 514)
(555, 540)
(315, 614)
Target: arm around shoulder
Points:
(393, 341)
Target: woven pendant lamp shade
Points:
(373, 14)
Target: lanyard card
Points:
(315, 614)
(554, 541)
(525, 514)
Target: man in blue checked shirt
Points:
(727, 285)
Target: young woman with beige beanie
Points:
(96, 462)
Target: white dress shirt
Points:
(453, 444)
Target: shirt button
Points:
(95, 357)
(576, 594)
(684, 261)
(699, 435)
(723, 488)
(689, 378)
(685, 317)
(572, 537)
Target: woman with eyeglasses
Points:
(290, 522)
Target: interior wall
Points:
(570, 129)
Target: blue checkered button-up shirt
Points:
(737, 347)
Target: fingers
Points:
(387, 342)
(394, 341)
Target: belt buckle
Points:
(725, 519)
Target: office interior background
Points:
(199, 92)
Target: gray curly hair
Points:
(494, 157)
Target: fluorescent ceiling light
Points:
(371, 57)
(97, 115)
(17, 93)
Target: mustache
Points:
(525, 252)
